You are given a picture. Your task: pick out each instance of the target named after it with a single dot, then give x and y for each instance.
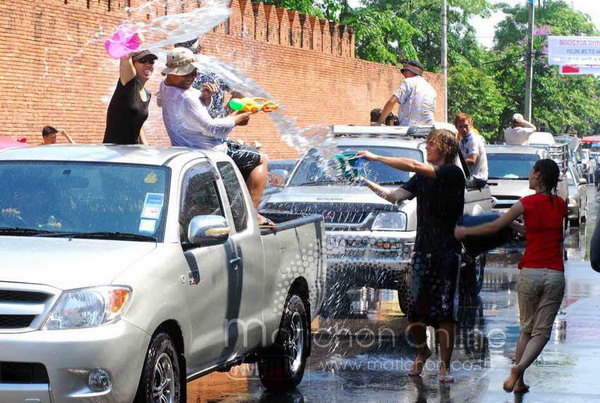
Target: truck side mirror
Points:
(206, 230)
(278, 177)
(583, 181)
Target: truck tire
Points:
(574, 222)
(281, 367)
(161, 377)
(336, 304)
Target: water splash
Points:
(170, 29)
(160, 33)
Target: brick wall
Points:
(55, 70)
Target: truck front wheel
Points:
(281, 367)
(161, 380)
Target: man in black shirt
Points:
(430, 287)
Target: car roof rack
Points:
(389, 131)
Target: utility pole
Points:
(529, 78)
(445, 55)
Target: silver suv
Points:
(369, 240)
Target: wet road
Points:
(367, 359)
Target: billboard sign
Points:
(579, 70)
(574, 50)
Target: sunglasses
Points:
(147, 60)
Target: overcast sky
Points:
(485, 27)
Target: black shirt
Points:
(440, 204)
(126, 113)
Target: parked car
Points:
(577, 201)
(509, 167)
(9, 142)
(127, 271)
(369, 240)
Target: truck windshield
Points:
(313, 170)
(94, 200)
(510, 166)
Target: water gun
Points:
(124, 41)
(253, 105)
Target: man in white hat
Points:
(519, 131)
(189, 124)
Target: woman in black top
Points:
(430, 285)
(128, 108)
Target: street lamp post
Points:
(445, 55)
(529, 78)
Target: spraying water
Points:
(161, 32)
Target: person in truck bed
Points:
(430, 284)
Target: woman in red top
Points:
(541, 283)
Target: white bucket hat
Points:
(181, 62)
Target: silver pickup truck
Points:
(369, 240)
(127, 271)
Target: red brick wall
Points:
(55, 71)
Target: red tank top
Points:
(544, 217)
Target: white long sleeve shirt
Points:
(188, 122)
(519, 135)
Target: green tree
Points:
(472, 91)
(557, 101)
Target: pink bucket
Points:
(123, 42)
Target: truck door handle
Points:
(235, 261)
(194, 277)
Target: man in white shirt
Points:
(519, 131)
(415, 96)
(189, 123)
(472, 148)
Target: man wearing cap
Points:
(128, 108)
(519, 131)
(415, 96)
(209, 84)
(189, 124)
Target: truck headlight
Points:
(88, 307)
(390, 221)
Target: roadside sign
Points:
(579, 70)
(574, 50)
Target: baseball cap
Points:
(413, 66)
(141, 54)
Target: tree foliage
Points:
(559, 102)
(488, 84)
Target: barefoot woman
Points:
(429, 288)
(541, 283)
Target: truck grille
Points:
(22, 296)
(23, 306)
(344, 217)
(23, 373)
(15, 321)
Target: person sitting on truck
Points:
(49, 135)
(415, 96)
(375, 115)
(430, 284)
(392, 120)
(189, 124)
(519, 131)
(472, 148)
